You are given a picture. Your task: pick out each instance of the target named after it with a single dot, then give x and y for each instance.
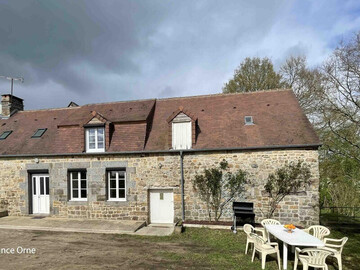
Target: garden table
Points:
(297, 238)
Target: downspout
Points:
(182, 186)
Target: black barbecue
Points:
(243, 212)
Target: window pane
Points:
(75, 193)
(121, 193)
(92, 145)
(74, 175)
(47, 185)
(92, 132)
(83, 184)
(112, 193)
(113, 174)
(5, 135)
(121, 174)
(121, 184)
(112, 183)
(34, 179)
(75, 184)
(41, 185)
(100, 131)
(83, 193)
(92, 141)
(83, 175)
(100, 137)
(100, 145)
(39, 133)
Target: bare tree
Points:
(341, 99)
(306, 83)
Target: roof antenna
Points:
(12, 79)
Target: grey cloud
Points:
(98, 51)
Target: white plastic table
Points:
(297, 238)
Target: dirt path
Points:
(84, 251)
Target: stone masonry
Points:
(151, 171)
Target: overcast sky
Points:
(100, 51)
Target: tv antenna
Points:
(12, 79)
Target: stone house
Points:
(135, 160)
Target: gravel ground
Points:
(55, 250)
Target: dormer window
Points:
(95, 139)
(249, 120)
(181, 132)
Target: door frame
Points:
(30, 189)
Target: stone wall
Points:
(151, 171)
(301, 208)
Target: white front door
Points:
(161, 206)
(40, 191)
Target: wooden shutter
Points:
(181, 135)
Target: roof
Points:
(142, 125)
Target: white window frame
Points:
(249, 123)
(117, 199)
(97, 149)
(173, 135)
(79, 186)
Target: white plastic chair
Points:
(314, 257)
(336, 249)
(318, 231)
(265, 248)
(269, 221)
(249, 229)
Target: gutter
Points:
(182, 186)
(270, 147)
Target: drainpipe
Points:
(182, 186)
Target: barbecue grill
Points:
(243, 212)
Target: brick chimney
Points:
(10, 104)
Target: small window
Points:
(5, 134)
(249, 120)
(78, 186)
(39, 133)
(95, 139)
(117, 185)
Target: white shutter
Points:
(181, 135)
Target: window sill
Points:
(116, 200)
(95, 151)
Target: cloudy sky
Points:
(100, 51)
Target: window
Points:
(78, 186)
(5, 134)
(181, 135)
(117, 185)
(249, 120)
(95, 139)
(39, 133)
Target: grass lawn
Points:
(219, 249)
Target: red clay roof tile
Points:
(278, 121)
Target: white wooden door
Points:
(40, 190)
(161, 206)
